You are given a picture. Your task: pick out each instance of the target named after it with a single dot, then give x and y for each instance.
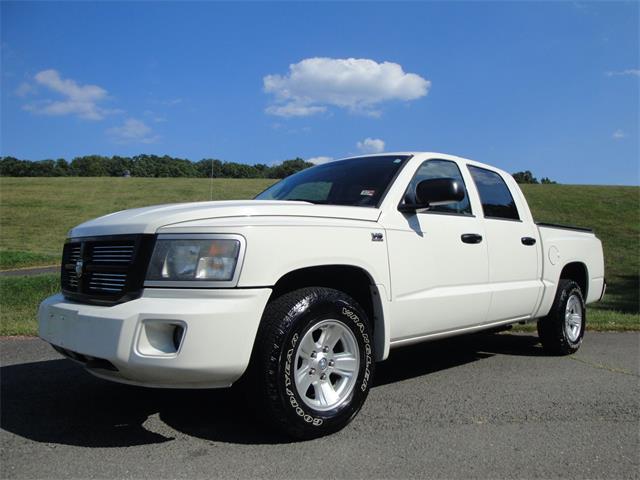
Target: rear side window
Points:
(439, 169)
(495, 196)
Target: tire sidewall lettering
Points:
(361, 327)
(351, 319)
(293, 401)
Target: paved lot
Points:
(20, 272)
(487, 406)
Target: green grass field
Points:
(36, 213)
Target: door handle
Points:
(471, 238)
(528, 240)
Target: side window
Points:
(439, 169)
(495, 196)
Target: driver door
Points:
(438, 262)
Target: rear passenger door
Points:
(513, 248)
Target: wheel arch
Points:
(578, 272)
(353, 280)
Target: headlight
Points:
(196, 260)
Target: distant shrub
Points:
(527, 177)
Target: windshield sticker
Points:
(368, 193)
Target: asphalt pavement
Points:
(22, 272)
(482, 406)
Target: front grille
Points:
(105, 270)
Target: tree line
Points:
(146, 166)
(166, 166)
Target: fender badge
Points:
(377, 237)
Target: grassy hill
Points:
(36, 214)
(614, 214)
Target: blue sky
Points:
(552, 87)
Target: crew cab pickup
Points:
(297, 293)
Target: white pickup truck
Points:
(302, 290)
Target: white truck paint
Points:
(423, 282)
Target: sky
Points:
(551, 87)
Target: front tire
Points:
(562, 330)
(313, 362)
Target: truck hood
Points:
(150, 219)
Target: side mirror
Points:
(435, 191)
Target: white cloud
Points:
(154, 117)
(25, 89)
(294, 110)
(634, 72)
(80, 100)
(371, 145)
(618, 135)
(320, 160)
(356, 84)
(133, 131)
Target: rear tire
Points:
(313, 362)
(562, 330)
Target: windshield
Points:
(359, 182)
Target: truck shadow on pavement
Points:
(57, 402)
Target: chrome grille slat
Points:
(105, 289)
(101, 281)
(107, 280)
(111, 260)
(75, 254)
(109, 253)
(112, 253)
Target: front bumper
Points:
(214, 351)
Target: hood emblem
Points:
(377, 237)
(79, 266)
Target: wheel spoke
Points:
(575, 320)
(346, 364)
(303, 381)
(307, 345)
(329, 337)
(303, 370)
(325, 393)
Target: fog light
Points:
(160, 337)
(178, 333)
